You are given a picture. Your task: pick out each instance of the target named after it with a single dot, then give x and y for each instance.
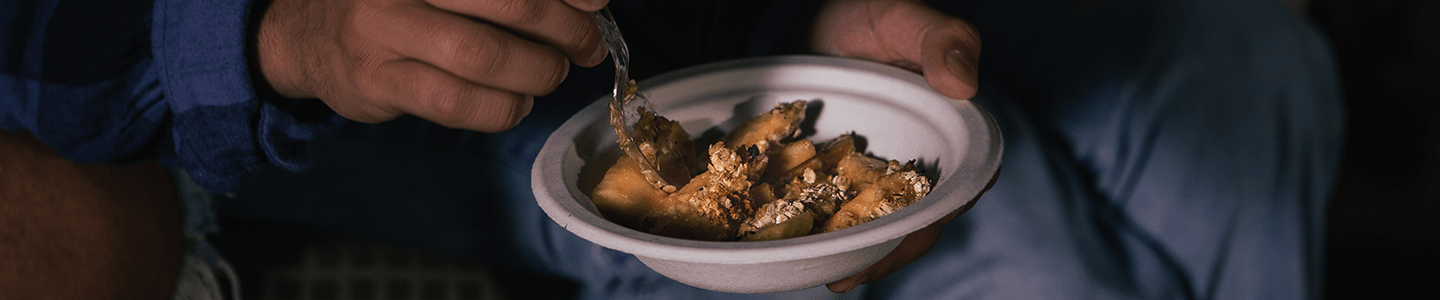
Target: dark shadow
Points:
(1381, 227)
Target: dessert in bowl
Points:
(893, 111)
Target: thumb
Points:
(950, 58)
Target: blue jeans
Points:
(1153, 150)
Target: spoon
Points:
(625, 99)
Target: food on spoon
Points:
(627, 190)
(761, 182)
(666, 144)
(627, 136)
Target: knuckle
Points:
(365, 18)
(475, 57)
(490, 112)
(580, 43)
(371, 88)
(369, 92)
(520, 12)
(590, 39)
(443, 103)
(365, 103)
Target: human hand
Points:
(465, 64)
(903, 33)
(911, 35)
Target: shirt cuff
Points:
(222, 133)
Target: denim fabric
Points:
(1154, 150)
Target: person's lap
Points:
(1196, 163)
(1150, 152)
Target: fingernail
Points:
(599, 55)
(522, 110)
(958, 62)
(597, 4)
(863, 280)
(526, 107)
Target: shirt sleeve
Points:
(111, 82)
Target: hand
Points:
(911, 35)
(904, 33)
(464, 64)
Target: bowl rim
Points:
(983, 156)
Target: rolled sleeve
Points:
(222, 132)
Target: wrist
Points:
(268, 57)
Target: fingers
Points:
(465, 64)
(570, 30)
(904, 33)
(950, 58)
(424, 91)
(474, 51)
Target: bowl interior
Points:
(898, 116)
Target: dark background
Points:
(1384, 223)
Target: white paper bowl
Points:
(894, 110)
